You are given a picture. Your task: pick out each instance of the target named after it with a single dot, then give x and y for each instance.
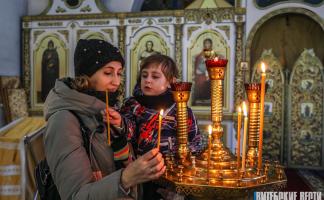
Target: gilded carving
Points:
(306, 111)
(134, 21)
(50, 23)
(36, 34)
(133, 29)
(165, 20)
(81, 32)
(178, 47)
(86, 8)
(239, 79)
(59, 9)
(226, 29)
(26, 64)
(65, 33)
(94, 23)
(150, 22)
(110, 32)
(192, 29)
(216, 14)
(166, 28)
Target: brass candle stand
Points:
(253, 91)
(223, 179)
(181, 94)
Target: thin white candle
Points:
(244, 135)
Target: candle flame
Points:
(161, 112)
(239, 109)
(263, 68)
(244, 108)
(210, 129)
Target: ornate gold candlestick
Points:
(253, 91)
(181, 94)
(216, 70)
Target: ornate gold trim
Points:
(239, 80)
(94, 23)
(208, 15)
(50, 24)
(226, 29)
(178, 47)
(190, 30)
(36, 34)
(26, 64)
(65, 33)
(110, 32)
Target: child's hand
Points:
(114, 117)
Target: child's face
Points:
(153, 81)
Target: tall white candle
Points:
(244, 135)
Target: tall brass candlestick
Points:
(159, 129)
(253, 93)
(181, 94)
(244, 135)
(263, 77)
(239, 124)
(107, 116)
(216, 70)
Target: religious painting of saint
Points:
(148, 51)
(148, 44)
(50, 63)
(201, 78)
(267, 108)
(269, 84)
(197, 72)
(50, 69)
(306, 110)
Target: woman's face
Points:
(107, 78)
(153, 81)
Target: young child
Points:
(151, 94)
(141, 113)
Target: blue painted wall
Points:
(11, 12)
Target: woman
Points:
(99, 68)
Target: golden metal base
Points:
(224, 180)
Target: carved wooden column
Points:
(239, 80)
(26, 74)
(178, 47)
(121, 46)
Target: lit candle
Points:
(159, 130)
(263, 77)
(210, 130)
(107, 116)
(244, 135)
(239, 124)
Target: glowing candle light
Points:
(107, 116)
(239, 124)
(159, 129)
(263, 77)
(244, 135)
(210, 130)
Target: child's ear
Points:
(173, 80)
